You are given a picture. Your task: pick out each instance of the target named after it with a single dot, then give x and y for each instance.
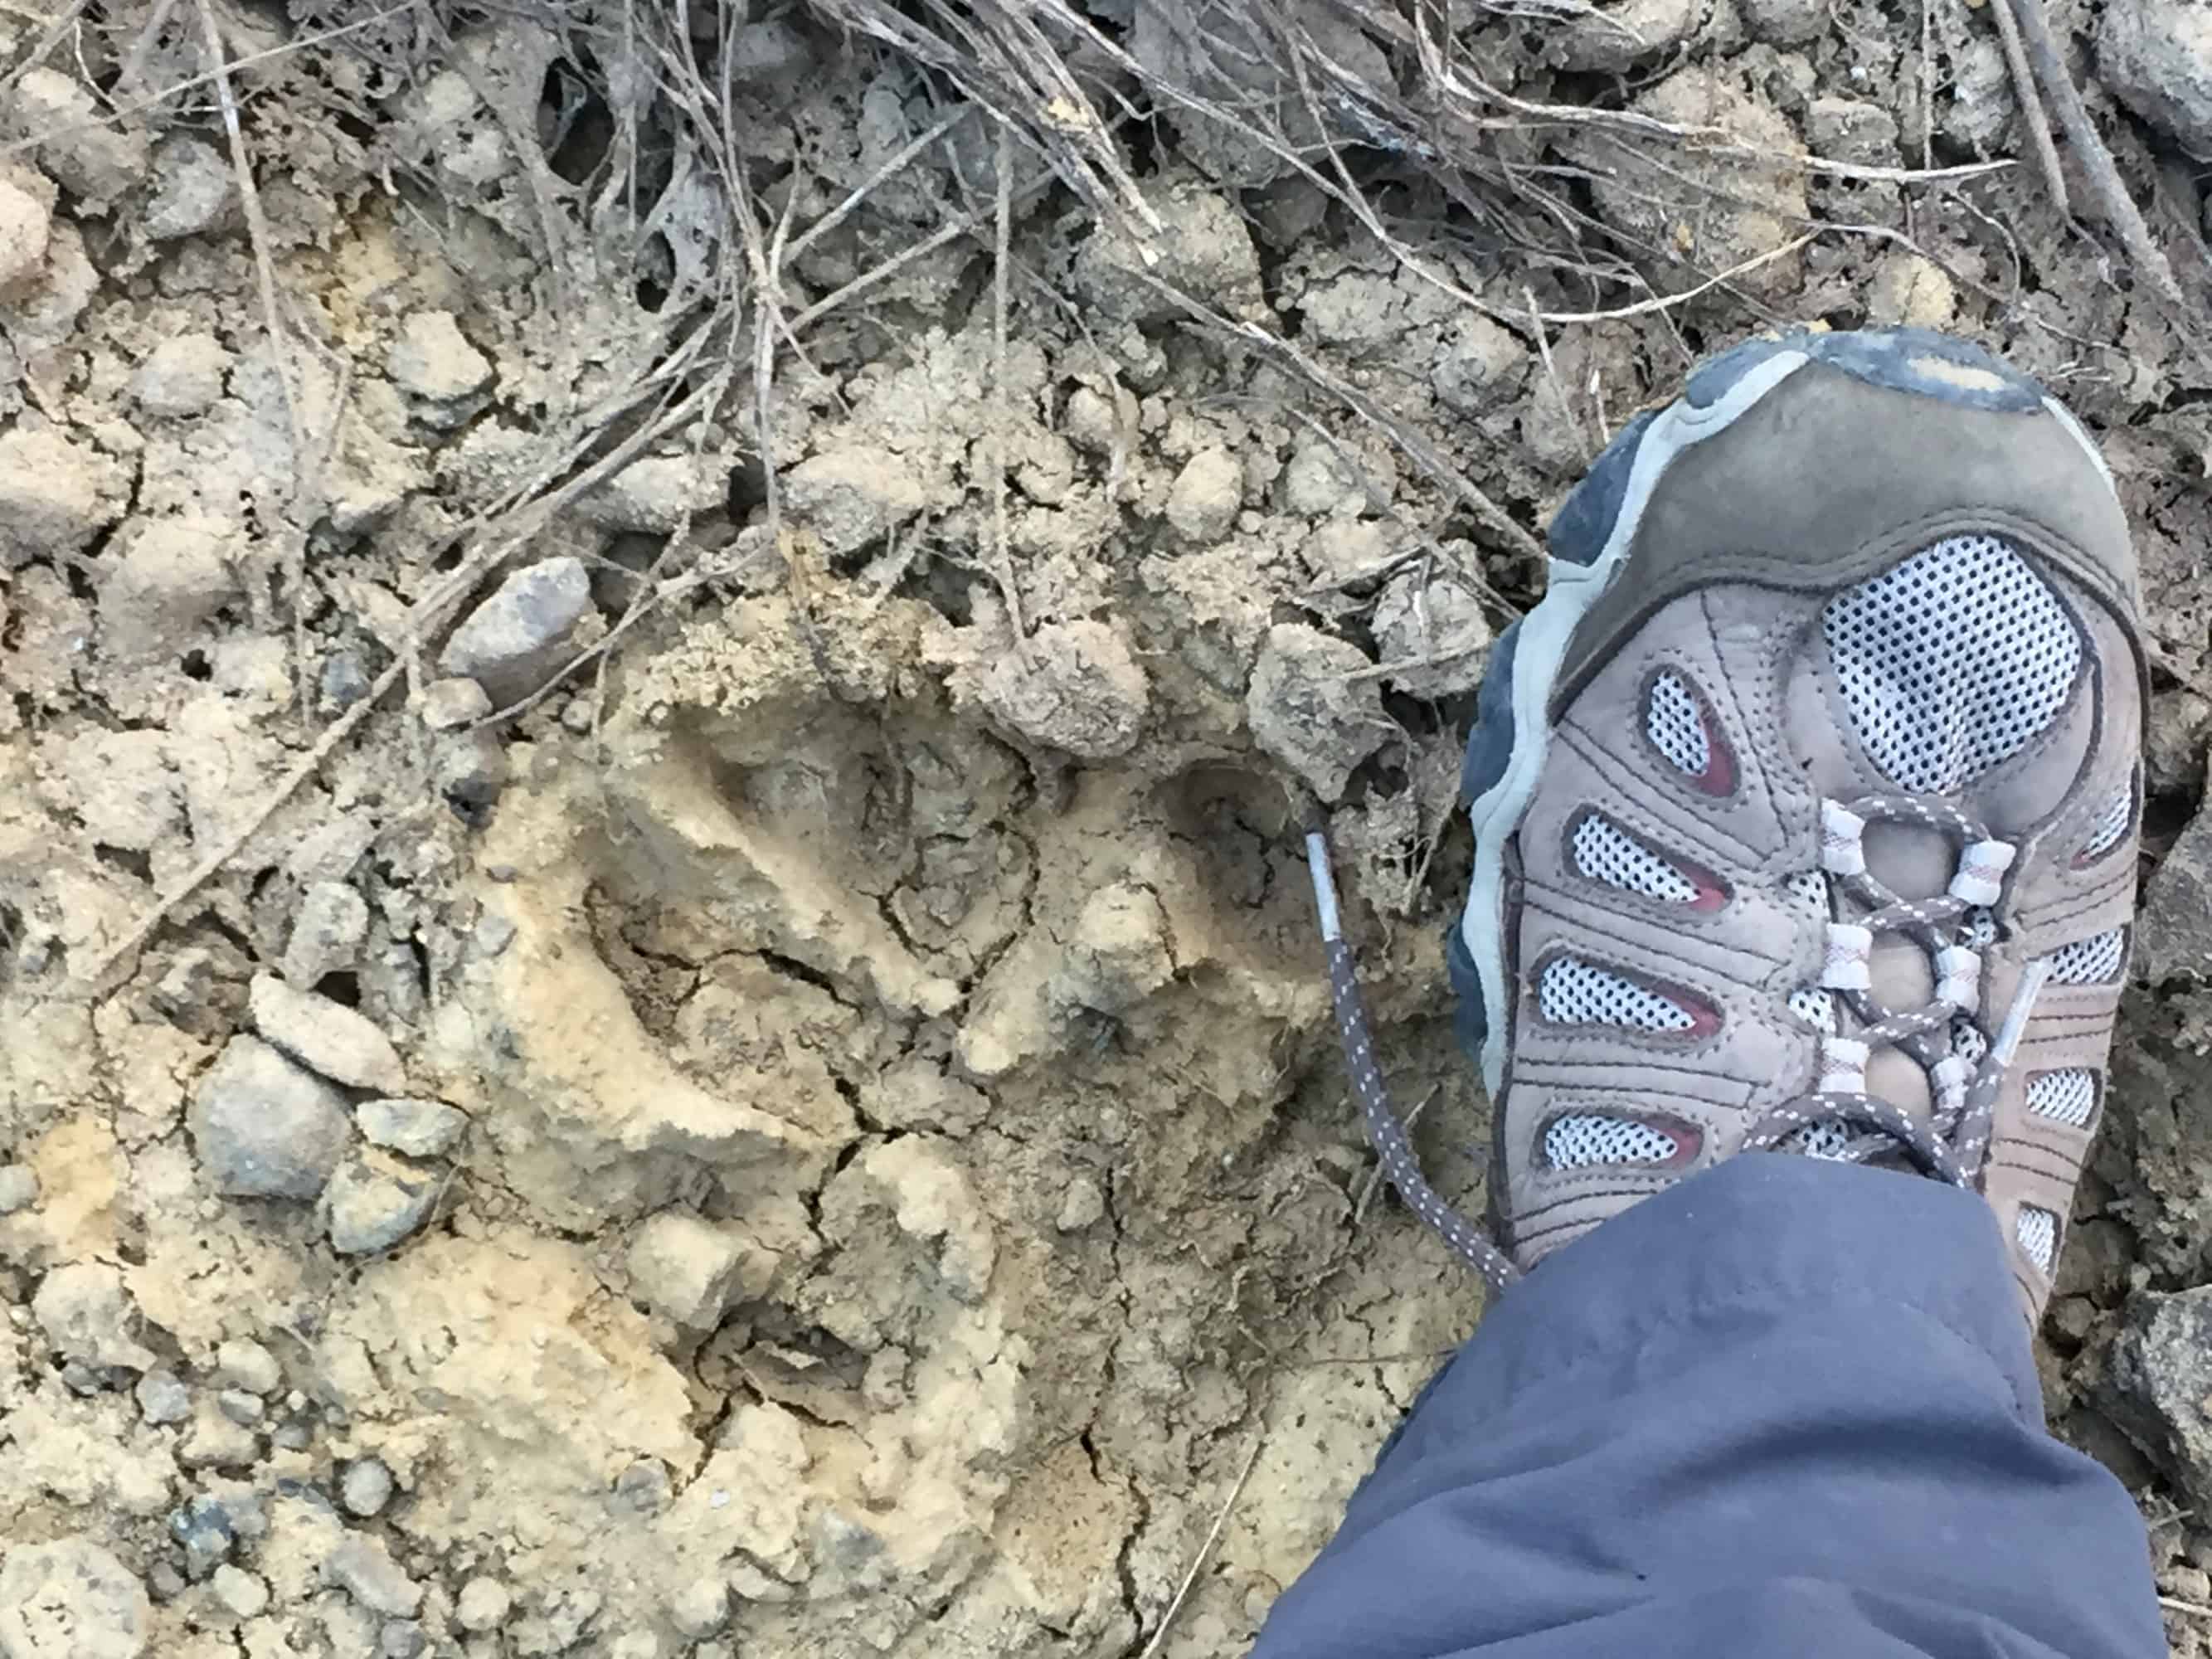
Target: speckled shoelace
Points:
(1952, 1147)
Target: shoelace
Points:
(1952, 1147)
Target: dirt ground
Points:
(657, 989)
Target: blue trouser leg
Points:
(1784, 1408)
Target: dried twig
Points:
(2030, 106)
(2104, 176)
(1002, 552)
(1198, 1561)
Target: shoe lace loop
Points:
(1954, 1145)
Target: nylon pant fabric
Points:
(1787, 1407)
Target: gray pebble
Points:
(470, 770)
(204, 1529)
(375, 1200)
(241, 1407)
(420, 1128)
(240, 1591)
(367, 1488)
(364, 1569)
(240, 1363)
(79, 1379)
(643, 1486)
(194, 190)
(481, 1606)
(1082, 1205)
(345, 682)
(402, 1639)
(264, 1128)
(326, 933)
(452, 703)
(165, 1581)
(87, 1314)
(162, 1398)
(325, 1036)
(19, 1188)
(292, 1436)
(516, 638)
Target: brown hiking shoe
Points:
(1805, 804)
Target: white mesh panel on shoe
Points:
(2091, 961)
(1675, 728)
(1575, 1141)
(2070, 1096)
(2112, 821)
(1825, 1138)
(1978, 928)
(1604, 852)
(1952, 661)
(1810, 889)
(2038, 1232)
(1815, 1007)
(1572, 992)
(1968, 1040)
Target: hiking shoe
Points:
(1805, 804)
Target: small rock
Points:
(2173, 927)
(1202, 246)
(367, 1488)
(470, 771)
(700, 1609)
(375, 1200)
(851, 497)
(162, 1398)
(1614, 39)
(1482, 370)
(2156, 57)
(1308, 713)
(217, 1442)
(25, 226)
(173, 575)
(481, 1606)
(685, 1269)
(19, 1187)
(1784, 22)
(653, 496)
(1317, 479)
(326, 933)
(241, 1592)
(1072, 686)
(402, 1639)
(204, 1528)
(1850, 129)
(82, 1379)
(1441, 629)
(88, 1315)
(194, 190)
(1083, 1205)
(345, 682)
(165, 1581)
(420, 1128)
(53, 495)
(1089, 422)
(1911, 292)
(516, 639)
(324, 1035)
(264, 1128)
(433, 359)
(1118, 955)
(2160, 1383)
(643, 1486)
(82, 147)
(1207, 494)
(240, 1363)
(70, 1599)
(1740, 209)
(362, 1567)
(241, 1406)
(182, 376)
(449, 703)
